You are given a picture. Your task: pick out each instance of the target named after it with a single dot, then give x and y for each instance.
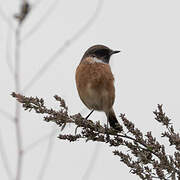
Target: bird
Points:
(95, 82)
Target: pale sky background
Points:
(146, 73)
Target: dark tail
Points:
(111, 117)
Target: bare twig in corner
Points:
(17, 109)
(41, 21)
(6, 19)
(47, 155)
(24, 10)
(21, 16)
(39, 141)
(52, 59)
(37, 3)
(5, 159)
(8, 52)
(88, 23)
(87, 173)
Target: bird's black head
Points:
(100, 52)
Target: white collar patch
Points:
(95, 59)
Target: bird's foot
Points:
(89, 114)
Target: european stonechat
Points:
(95, 82)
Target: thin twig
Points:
(17, 110)
(37, 3)
(89, 170)
(69, 42)
(47, 155)
(5, 159)
(8, 52)
(41, 21)
(144, 145)
(38, 142)
(6, 19)
(91, 164)
(88, 23)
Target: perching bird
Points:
(95, 82)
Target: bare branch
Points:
(60, 50)
(89, 170)
(39, 141)
(25, 8)
(88, 23)
(146, 157)
(6, 19)
(17, 108)
(37, 3)
(47, 155)
(41, 21)
(5, 159)
(8, 52)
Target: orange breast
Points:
(95, 84)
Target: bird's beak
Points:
(114, 52)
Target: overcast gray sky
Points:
(146, 73)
